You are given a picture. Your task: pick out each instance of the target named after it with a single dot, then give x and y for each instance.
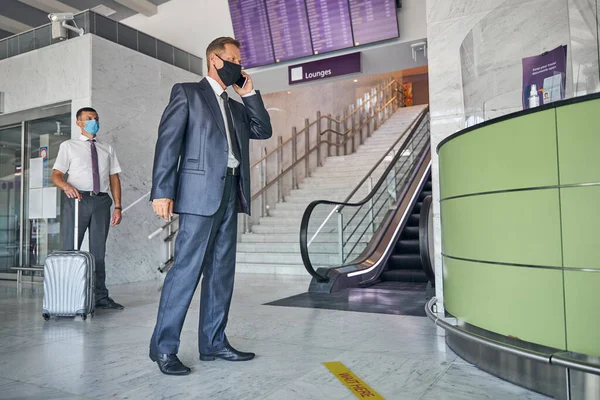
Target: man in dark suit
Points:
(202, 172)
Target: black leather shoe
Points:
(109, 303)
(169, 364)
(228, 353)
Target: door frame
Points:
(22, 118)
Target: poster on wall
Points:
(408, 93)
(544, 77)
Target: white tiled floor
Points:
(106, 358)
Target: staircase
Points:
(273, 246)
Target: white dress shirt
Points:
(75, 158)
(232, 162)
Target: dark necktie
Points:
(232, 136)
(95, 171)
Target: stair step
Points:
(330, 228)
(348, 174)
(287, 258)
(271, 269)
(314, 222)
(294, 238)
(318, 214)
(283, 238)
(310, 184)
(282, 247)
(321, 191)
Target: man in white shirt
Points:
(93, 170)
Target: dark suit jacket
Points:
(190, 161)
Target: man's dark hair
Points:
(218, 45)
(85, 109)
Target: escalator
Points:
(405, 263)
(384, 240)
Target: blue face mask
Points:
(92, 126)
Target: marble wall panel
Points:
(583, 24)
(130, 91)
(50, 75)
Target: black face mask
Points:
(230, 72)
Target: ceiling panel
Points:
(121, 11)
(34, 17)
(18, 11)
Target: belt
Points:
(93, 194)
(233, 171)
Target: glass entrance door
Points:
(10, 197)
(43, 198)
(30, 204)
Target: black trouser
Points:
(94, 213)
(205, 246)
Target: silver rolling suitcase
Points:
(69, 281)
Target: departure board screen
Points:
(251, 28)
(329, 25)
(373, 21)
(289, 29)
(280, 30)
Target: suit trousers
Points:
(94, 214)
(205, 247)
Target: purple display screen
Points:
(289, 29)
(373, 20)
(251, 28)
(329, 25)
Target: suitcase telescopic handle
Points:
(76, 231)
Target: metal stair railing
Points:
(363, 219)
(282, 169)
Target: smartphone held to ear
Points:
(241, 82)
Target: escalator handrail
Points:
(415, 123)
(424, 238)
(364, 259)
(339, 205)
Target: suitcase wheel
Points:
(46, 316)
(84, 316)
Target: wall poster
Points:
(544, 77)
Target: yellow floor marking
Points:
(351, 381)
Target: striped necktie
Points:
(95, 171)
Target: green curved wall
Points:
(520, 215)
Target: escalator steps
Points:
(417, 208)
(403, 275)
(413, 220)
(405, 261)
(404, 265)
(407, 246)
(424, 194)
(411, 232)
